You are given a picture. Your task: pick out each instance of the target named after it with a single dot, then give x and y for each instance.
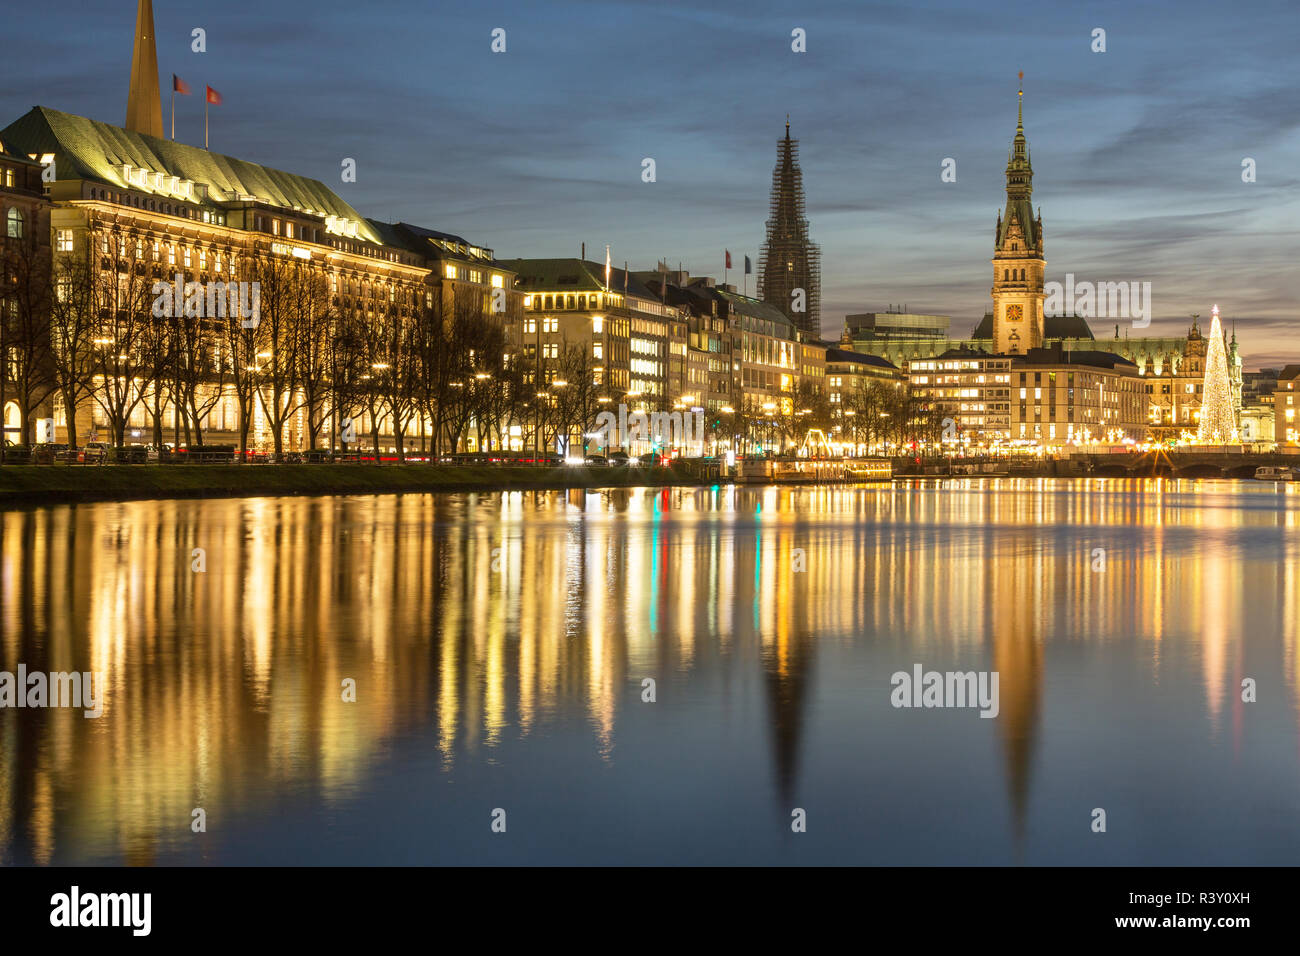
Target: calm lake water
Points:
(499, 644)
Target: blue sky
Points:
(1137, 151)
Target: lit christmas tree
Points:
(1218, 418)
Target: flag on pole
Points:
(183, 88)
(214, 98)
(749, 267)
(607, 267)
(728, 253)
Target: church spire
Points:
(144, 103)
(1020, 172)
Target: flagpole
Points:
(205, 120)
(173, 109)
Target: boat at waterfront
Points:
(1274, 473)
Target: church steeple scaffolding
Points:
(144, 102)
(1019, 265)
(789, 264)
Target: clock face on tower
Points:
(1015, 313)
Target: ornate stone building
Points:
(1018, 257)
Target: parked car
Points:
(158, 453)
(596, 460)
(92, 453)
(131, 454)
(651, 458)
(619, 458)
(17, 454)
(48, 454)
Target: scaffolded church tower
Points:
(789, 267)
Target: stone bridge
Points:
(1198, 463)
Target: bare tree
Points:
(279, 339)
(316, 327)
(122, 300)
(72, 331)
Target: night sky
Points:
(1137, 151)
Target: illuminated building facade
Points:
(1286, 407)
(1048, 397)
(24, 253)
(133, 210)
(971, 388)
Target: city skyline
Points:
(1112, 150)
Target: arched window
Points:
(15, 223)
(1022, 275)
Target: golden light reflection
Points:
(481, 619)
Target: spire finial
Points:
(787, 125)
(1020, 103)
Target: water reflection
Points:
(506, 630)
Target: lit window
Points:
(450, 271)
(598, 324)
(63, 240)
(15, 224)
(499, 282)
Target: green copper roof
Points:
(87, 149)
(1054, 327)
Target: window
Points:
(275, 227)
(530, 326)
(449, 271)
(598, 350)
(498, 282)
(63, 240)
(9, 179)
(550, 325)
(15, 221)
(598, 324)
(288, 230)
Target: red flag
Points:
(728, 252)
(180, 86)
(214, 97)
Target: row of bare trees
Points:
(98, 327)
